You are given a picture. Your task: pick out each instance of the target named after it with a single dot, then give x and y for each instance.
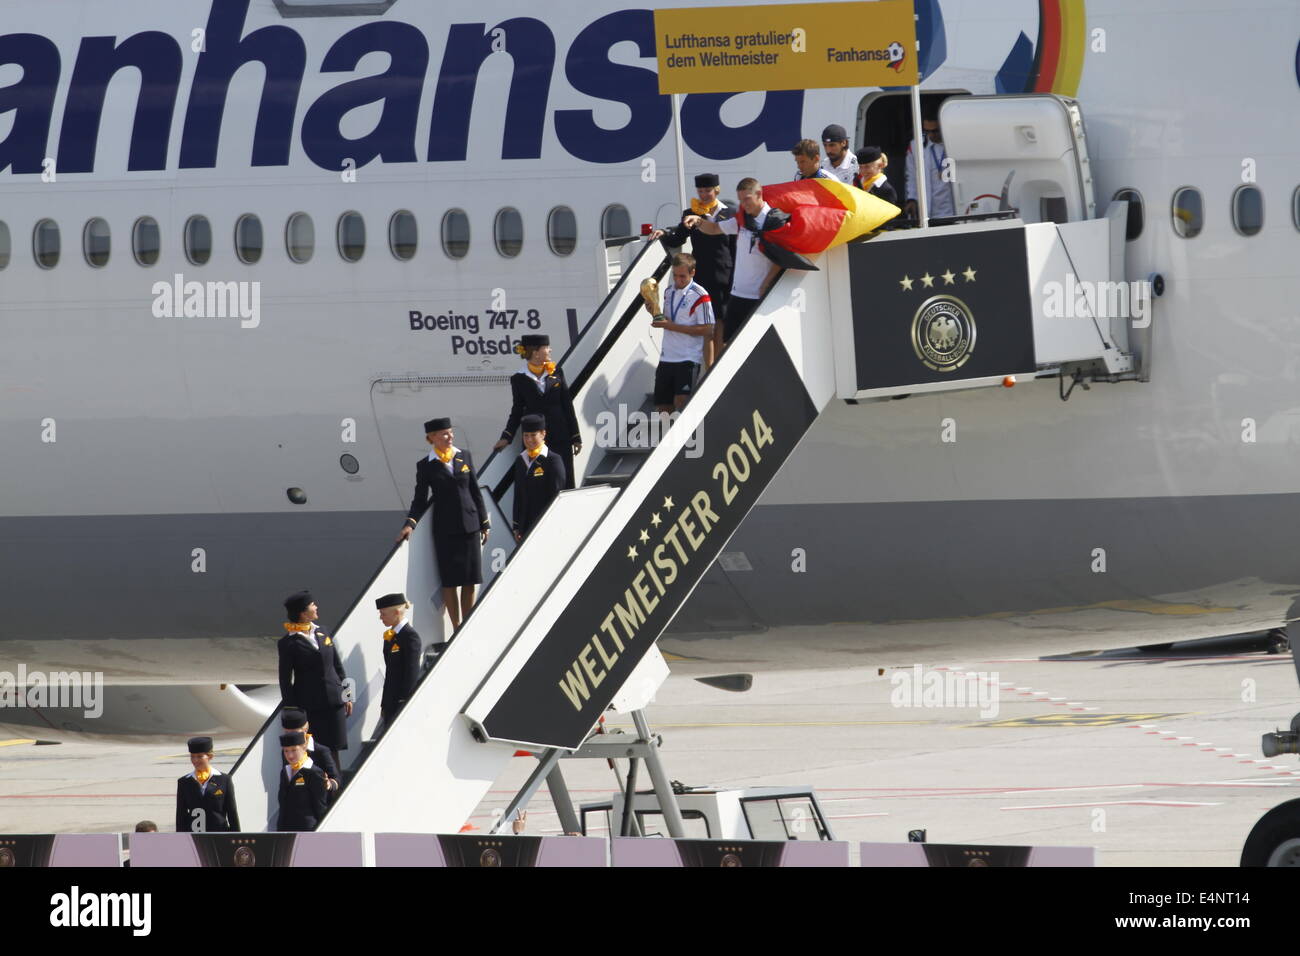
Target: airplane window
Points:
(198, 239)
(1295, 208)
(403, 236)
(1248, 210)
(562, 230)
(1133, 227)
(1188, 212)
(352, 236)
(615, 222)
(509, 232)
(300, 237)
(96, 242)
(4, 245)
(45, 243)
(146, 241)
(455, 233)
(248, 238)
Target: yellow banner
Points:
(786, 46)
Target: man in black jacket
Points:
(714, 254)
(303, 794)
(205, 799)
(539, 476)
(311, 674)
(446, 482)
(402, 655)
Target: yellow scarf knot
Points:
(296, 628)
(534, 452)
(703, 209)
(388, 634)
(447, 456)
(547, 367)
(202, 776)
(297, 764)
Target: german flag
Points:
(824, 213)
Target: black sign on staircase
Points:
(655, 562)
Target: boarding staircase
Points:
(568, 621)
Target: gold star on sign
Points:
(969, 274)
(928, 280)
(948, 277)
(906, 283)
(631, 554)
(655, 519)
(644, 536)
(668, 504)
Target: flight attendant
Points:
(292, 719)
(205, 799)
(539, 476)
(303, 790)
(401, 655)
(311, 674)
(541, 390)
(445, 481)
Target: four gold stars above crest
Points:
(927, 281)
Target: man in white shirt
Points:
(754, 272)
(938, 190)
(687, 321)
(840, 161)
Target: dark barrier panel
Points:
(64, 849)
(955, 854)
(468, 849)
(634, 851)
(246, 849)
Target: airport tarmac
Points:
(1153, 759)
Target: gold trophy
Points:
(650, 292)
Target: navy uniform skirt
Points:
(460, 559)
(329, 726)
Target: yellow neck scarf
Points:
(447, 456)
(296, 628)
(703, 209)
(547, 367)
(297, 764)
(388, 634)
(534, 452)
(202, 776)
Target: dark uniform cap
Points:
(294, 739)
(200, 745)
(834, 133)
(532, 423)
(295, 604)
(868, 154)
(390, 600)
(436, 424)
(534, 341)
(706, 180)
(291, 718)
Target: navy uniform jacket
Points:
(715, 256)
(883, 189)
(217, 801)
(303, 799)
(533, 491)
(310, 679)
(320, 756)
(455, 498)
(402, 660)
(554, 403)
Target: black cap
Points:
(390, 600)
(296, 603)
(436, 424)
(869, 154)
(706, 180)
(532, 423)
(834, 133)
(291, 718)
(534, 341)
(200, 745)
(294, 738)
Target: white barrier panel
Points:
(639, 851)
(954, 854)
(58, 850)
(246, 849)
(469, 849)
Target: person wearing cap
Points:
(445, 481)
(840, 161)
(304, 794)
(311, 674)
(871, 174)
(402, 655)
(539, 476)
(205, 799)
(542, 390)
(808, 160)
(715, 255)
(687, 321)
(291, 719)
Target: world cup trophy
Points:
(650, 292)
